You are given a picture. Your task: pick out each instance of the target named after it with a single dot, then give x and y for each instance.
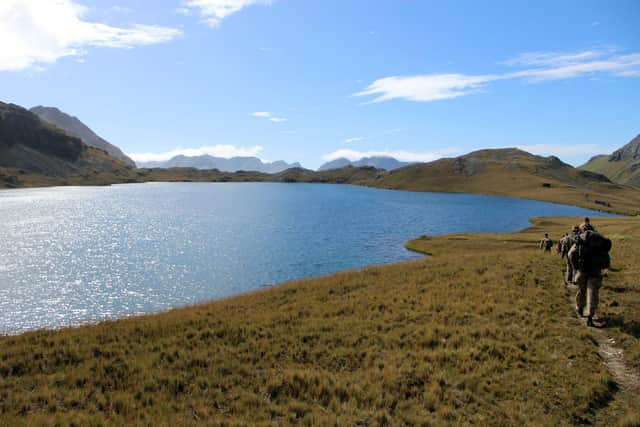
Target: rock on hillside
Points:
(74, 127)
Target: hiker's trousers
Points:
(588, 291)
(568, 278)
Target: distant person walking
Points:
(586, 225)
(561, 245)
(546, 243)
(589, 256)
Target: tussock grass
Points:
(480, 333)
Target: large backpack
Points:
(593, 251)
(548, 244)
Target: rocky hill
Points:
(32, 146)
(74, 127)
(380, 162)
(622, 166)
(233, 164)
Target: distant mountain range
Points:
(74, 127)
(233, 164)
(622, 166)
(30, 144)
(380, 162)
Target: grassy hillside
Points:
(516, 173)
(481, 333)
(623, 166)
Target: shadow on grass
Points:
(618, 289)
(631, 327)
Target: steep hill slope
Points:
(513, 172)
(30, 145)
(74, 127)
(623, 166)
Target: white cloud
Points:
(262, 114)
(222, 150)
(543, 66)
(268, 115)
(354, 139)
(405, 156)
(427, 87)
(36, 32)
(214, 11)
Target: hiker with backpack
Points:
(589, 256)
(546, 243)
(565, 244)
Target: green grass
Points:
(617, 171)
(482, 332)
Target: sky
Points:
(311, 81)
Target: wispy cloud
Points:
(38, 32)
(262, 114)
(214, 11)
(427, 87)
(542, 66)
(222, 150)
(268, 115)
(405, 156)
(354, 139)
(567, 68)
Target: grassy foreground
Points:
(480, 333)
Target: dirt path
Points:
(626, 377)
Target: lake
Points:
(75, 254)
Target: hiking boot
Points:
(590, 322)
(579, 311)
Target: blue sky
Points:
(414, 79)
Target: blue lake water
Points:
(75, 254)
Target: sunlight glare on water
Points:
(78, 254)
